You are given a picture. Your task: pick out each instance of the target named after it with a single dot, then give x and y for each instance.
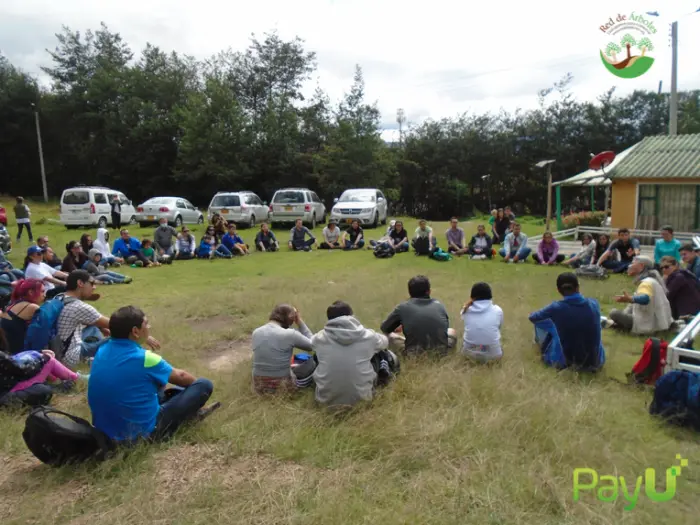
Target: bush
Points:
(584, 218)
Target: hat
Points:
(92, 253)
(33, 250)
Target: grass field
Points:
(448, 443)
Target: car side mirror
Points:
(380, 199)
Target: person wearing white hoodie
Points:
(101, 244)
(482, 325)
(352, 359)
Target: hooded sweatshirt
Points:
(101, 244)
(482, 330)
(344, 348)
(91, 266)
(163, 237)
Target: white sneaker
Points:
(510, 261)
(482, 257)
(521, 261)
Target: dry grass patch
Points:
(224, 355)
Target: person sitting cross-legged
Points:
(480, 245)
(625, 248)
(568, 332)
(297, 237)
(352, 360)
(331, 236)
(126, 389)
(548, 251)
(515, 247)
(233, 242)
(353, 237)
(265, 240)
(164, 239)
(482, 325)
(585, 255)
(456, 242)
(423, 239)
(185, 247)
(398, 237)
(129, 249)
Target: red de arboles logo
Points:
(626, 44)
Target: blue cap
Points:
(32, 250)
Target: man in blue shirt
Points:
(126, 390)
(129, 249)
(233, 241)
(574, 325)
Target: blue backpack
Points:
(677, 398)
(42, 330)
(440, 255)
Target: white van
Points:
(90, 206)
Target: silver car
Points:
(177, 210)
(290, 204)
(239, 207)
(369, 206)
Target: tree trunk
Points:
(614, 56)
(644, 50)
(628, 50)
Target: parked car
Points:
(240, 207)
(290, 204)
(90, 206)
(5, 240)
(177, 210)
(3, 216)
(369, 206)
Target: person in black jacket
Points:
(501, 227)
(682, 288)
(480, 245)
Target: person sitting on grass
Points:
(515, 247)
(480, 245)
(398, 237)
(568, 331)
(94, 267)
(682, 289)
(163, 237)
(151, 255)
(27, 296)
(54, 280)
(501, 227)
(233, 242)
(691, 259)
(482, 325)
(218, 249)
(331, 236)
(75, 258)
(392, 223)
(492, 219)
(185, 247)
(585, 255)
(297, 237)
(50, 256)
(129, 249)
(126, 389)
(667, 246)
(422, 233)
(456, 242)
(353, 237)
(624, 248)
(352, 360)
(548, 251)
(102, 244)
(24, 376)
(265, 240)
(273, 347)
(648, 310)
(422, 320)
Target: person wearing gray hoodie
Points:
(351, 359)
(95, 267)
(163, 239)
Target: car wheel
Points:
(251, 224)
(75, 227)
(102, 223)
(385, 218)
(132, 220)
(375, 223)
(142, 224)
(200, 220)
(178, 221)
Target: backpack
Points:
(42, 330)
(421, 246)
(592, 271)
(650, 366)
(384, 250)
(676, 399)
(440, 255)
(57, 438)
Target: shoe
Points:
(205, 412)
(521, 261)
(128, 280)
(64, 387)
(307, 248)
(83, 377)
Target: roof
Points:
(662, 157)
(595, 177)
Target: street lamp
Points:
(548, 165)
(41, 152)
(488, 189)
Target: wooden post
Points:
(560, 224)
(592, 198)
(549, 196)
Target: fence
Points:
(642, 235)
(676, 349)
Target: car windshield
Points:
(357, 196)
(289, 197)
(76, 197)
(159, 200)
(223, 201)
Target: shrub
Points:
(584, 218)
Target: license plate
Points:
(224, 211)
(288, 208)
(349, 221)
(76, 211)
(151, 217)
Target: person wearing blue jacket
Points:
(569, 331)
(129, 249)
(233, 241)
(515, 248)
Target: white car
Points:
(240, 207)
(90, 206)
(177, 210)
(290, 204)
(369, 206)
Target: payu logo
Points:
(609, 487)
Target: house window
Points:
(677, 205)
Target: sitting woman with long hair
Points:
(75, 259)
(26, 299)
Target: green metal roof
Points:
(661, 157)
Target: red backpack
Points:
(650, 366)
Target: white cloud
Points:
(434, 60)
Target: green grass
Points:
(448, 443)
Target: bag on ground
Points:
(57, 438)
(42, 330)
(421, 246)
(650, 366)
(592, 271)
(676, 399)
(384, 250)
(440, 255)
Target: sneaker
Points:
(307, 248)
(83, 377)
(521, 261)
(481, 257)
(64, 387)
(205, 412)
(128, 280)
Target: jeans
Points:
(616, 266)
(33, 396)
(304, 245)
(485, 251)
(559, 258)
(11, 275)
(183, 255)
(325, 246)
(222, 251)
(111, 277)
(402, 247)
(269, 246)
(92, 339)
(349, 245)
(20, 227)
(178, 405)
(522, 253)
(50, 294)
(584, 261)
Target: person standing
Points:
(116, 213)
(22, 216)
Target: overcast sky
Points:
(433, 58)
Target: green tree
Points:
(645, 45)
(612, 50)
(628, 41)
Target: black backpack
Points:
(57, 438)
(384, 250)
(421, 246)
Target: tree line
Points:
(165, 123)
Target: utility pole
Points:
(673, 105)
(548, 165)
(487, 178)
(401, 119)
(41, 153)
